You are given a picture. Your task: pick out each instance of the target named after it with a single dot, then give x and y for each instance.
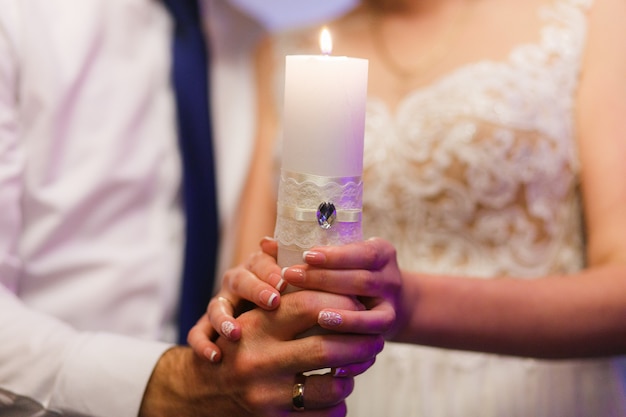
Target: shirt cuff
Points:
(105, 375)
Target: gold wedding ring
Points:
(227, 301)
(297, 397)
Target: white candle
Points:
(322, 158)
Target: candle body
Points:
(322, 155)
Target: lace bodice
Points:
(477, 174)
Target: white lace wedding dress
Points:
(477, 175)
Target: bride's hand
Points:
(258, 281)
(367, 270)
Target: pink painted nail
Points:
(312, 257)
(294, 275)
(269, 297)
(227, 328)
(329, 318)
(211, 354)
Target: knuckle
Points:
(253, 259)
(339, 389)
(380, 252)
(372, 255)
(232, 277)
(367, 282)
(318, 350)
(370, 349)
(300, 303)
(323, 277)
(298, 306)
(390, 251)
(385, 322)
(389, 320)
(346, 386)
(234, 285)
(228, 276)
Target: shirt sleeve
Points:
(46, 365)
(73, 373)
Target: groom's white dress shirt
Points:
(90, 224)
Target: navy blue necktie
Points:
(190, 78)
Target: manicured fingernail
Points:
(294, 275)
(340, 372)
(282, 281)
(312, 257)
(329, 318)
(281, 284)
(227, 328)
(272, 300)
(268, 297)
(211, 354)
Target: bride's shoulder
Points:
(606, 25)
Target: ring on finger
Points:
(297, 393)
(227, 301)
(297, 396)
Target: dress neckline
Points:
(519, 53)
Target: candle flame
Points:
(326, 42)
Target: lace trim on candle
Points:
(300, 195)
